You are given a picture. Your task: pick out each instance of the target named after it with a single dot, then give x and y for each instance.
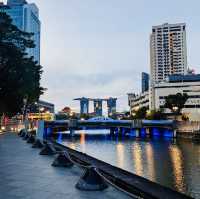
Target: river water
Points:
(172, 163)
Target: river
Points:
(170, 162)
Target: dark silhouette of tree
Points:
(141, 113)
(176, 102)
(19, 74)
(156, 115)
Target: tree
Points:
(19, 74)
(66, 110)
(176, 102)
(141, 113)
(156, 115)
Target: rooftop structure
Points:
(98, 110)
(184, 78)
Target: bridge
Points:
(116, 126)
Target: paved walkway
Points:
(26, 175)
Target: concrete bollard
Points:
(62, 160)
(31, 139)
(91, 181)
(26, 137)
(37, 144)
(48, 149)
(23, 133)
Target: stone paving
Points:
(24, 174)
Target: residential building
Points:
(168, 51)
(26, 17)
(145, 82)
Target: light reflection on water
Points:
(170, 163)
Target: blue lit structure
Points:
(156, 132)
(143, 132)
(167, 133)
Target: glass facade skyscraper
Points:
(26, 17)
(145, 82)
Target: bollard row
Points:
(91, 180)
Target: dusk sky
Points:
(98, 48)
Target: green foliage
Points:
(61, 116)
(176, 102)
(140, 113)
(85, 116)
(185, 117)
(20, 75)
(156, 115)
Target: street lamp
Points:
(175, 108)
(25, 100)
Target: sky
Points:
(98, 48)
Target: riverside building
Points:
(168, 54)
(138, 101)
(168, 72)
(189, 84)
(26, 17)
(168, 51)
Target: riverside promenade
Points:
(24, 174)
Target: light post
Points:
(25, 100)
(175, 109)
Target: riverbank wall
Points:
(188, 129)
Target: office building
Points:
(26, 17)
(168, 51)
(189, 84)
(145, 82)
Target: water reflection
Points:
(150, 161)
(82, 141)
(166, 161)
(120, 155)
(137, 158)
(177, 165)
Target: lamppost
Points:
(175, 109)
(25, 100)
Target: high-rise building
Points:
(26, 17)
(145, 82)
(168, 52)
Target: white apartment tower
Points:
(168, 51)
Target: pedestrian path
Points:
(24, 174)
